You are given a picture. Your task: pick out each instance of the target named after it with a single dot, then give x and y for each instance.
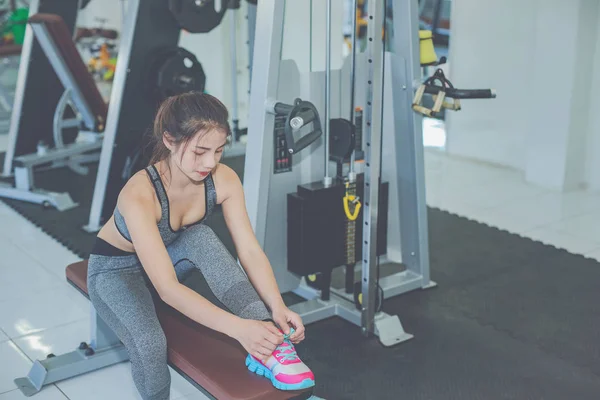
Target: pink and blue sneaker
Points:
(284, 368)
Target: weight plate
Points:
(358, 296)
(197, 16)
(174, 71)
(341, 139)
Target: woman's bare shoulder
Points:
(138, 191)
(227, 182)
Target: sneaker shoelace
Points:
(286, 350)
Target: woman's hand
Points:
(259, 338)
(284, 317)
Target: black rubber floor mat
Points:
(552, 302)
(452, 357)
(66, 227)
(464, 251)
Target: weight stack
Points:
(316, 227)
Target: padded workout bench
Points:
(82, 95)
(211, 361)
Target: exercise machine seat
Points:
(58, 30)
(212, 360)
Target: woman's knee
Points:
(149, 365)
(151, 345)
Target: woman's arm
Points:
(137, 205)
(251, 255)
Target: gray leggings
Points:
(121, 293)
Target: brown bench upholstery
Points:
(81, 33)
(10, 50)
(212, 360)
(63, 40)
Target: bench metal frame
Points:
(104, 349)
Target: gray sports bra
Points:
(167, 233)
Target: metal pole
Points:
(327, 180)
(352, 175)
(265, 80)
(234, 83)
(19, 97)
(373, 135)
(251, 17)
(112, 120)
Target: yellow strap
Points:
(351, 198)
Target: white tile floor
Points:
(40, 313)
(500, 197)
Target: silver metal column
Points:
(112, 119)
(405, 63)
(373, 132)
(327, 180)
(265, 81)
(15, 118)
(251, 16)
(354, 4)
(234, 75)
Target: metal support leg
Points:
(387, 327)
(408, 135)
(104, 350)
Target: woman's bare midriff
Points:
(110, 234)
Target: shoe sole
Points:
(261, 370)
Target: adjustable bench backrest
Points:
(53, 35)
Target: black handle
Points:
(462, 93)
(282, 108)
(306, 140)
(450, 91)
(307, 113)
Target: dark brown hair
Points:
(183, 116)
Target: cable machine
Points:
(310, 220)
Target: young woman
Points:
(157, 235)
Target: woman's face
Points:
(201, 154)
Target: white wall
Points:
(490, 47)
(559, 117)
(542, 57)
(592, 164)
